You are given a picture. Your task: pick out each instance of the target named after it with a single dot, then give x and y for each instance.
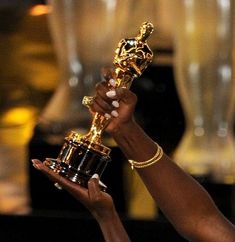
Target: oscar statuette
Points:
(82, 156)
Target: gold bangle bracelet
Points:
(151, 159)
(158, 155)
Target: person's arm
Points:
(184, 201)
(99, 203)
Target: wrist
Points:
(105, 216)
(123, 128)
(112, 227)
(132, 140)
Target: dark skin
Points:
(183, 200)
(99, 203)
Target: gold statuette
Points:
(84, 155)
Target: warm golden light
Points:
(39, 9)
(17, 116)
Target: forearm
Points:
(164, 179)
(113, 229)
(134, 142)
(176, 193)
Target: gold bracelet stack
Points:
(154, 159)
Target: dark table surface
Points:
(51, 227)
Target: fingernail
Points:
(114, 113)
(115, 104)
(112, 82)
(35, 164)
(102, 184)
(107, 115)
(111, 93)
(95, 176)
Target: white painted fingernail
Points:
(35, 165)
(112, 82)
(111, 93)
(114, 113)
(95, 176)
(115, 104)
(102, 184)
(107, 115)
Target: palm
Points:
(97, 202)
(93, 199)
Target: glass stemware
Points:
(204, 78)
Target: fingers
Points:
(92, 198)
(108, 73)
(101, 102)
(94, 188)
(56, 178)
(120, 93)
(101, 89)
(107, 101)
(101, 105)
(45, 170)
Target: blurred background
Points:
(48, 62)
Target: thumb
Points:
(93, 188)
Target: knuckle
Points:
(97, 86)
